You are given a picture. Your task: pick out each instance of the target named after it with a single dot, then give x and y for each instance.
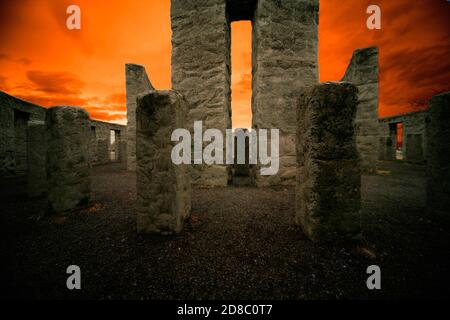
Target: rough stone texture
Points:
(414, 146)
(122, 151)
(14, 115)
(37, 155)
(69, 183)
(285, 60)
(101, 134)
(137, 83)
(438, 159)
(201, 71)
(363, 71)
(163, 188)
(7, 162)
(102, 152)
(328, 198)
(20, 142)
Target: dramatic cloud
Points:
(414, 43)
(44, 62)
(55, 82)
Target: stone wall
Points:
(15, 146)
(363, 71)
(14, 116)
(37, 159)
(102, 152)
(328, 196)
(163, 188)
(137, 83)
(100, 138)
(69, 183)
(414, 146)
(438, 157)
(285, 60)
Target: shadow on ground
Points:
(240, 243)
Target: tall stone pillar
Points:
(37, 158)
(363, 72)
(285, 60)
(137, 83)
(69, 182)
(163, 188)
(438, 154)
(201, 71)
(328, 198)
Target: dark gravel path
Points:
(240, 243)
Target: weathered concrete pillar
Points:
(37, 159)
(69, 183)
(285, 60)
(137, 83)
(163, 188)
(201, 63)
(328, 198)
(438, 154)
(363, 72)
(102, 151)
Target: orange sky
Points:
(43, 62)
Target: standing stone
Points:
(201, 65)
(163, 188)
(103, 151)
(69, 183)
(363, 72)
(122, 151)
(285, 60)
(328, 198)
(37, 155)
(137, 83)
(438, 154)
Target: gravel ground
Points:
(240, 243)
